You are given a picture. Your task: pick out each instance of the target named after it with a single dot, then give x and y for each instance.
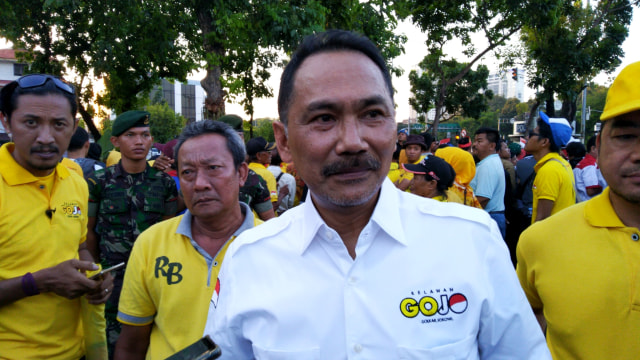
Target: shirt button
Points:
(329, 236)
(215, 263)
(635, 237)
(357, 348)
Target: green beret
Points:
(234, 121)
(129, 119)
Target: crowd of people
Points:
(345, 238)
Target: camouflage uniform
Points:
(125, 205)
(255, 193)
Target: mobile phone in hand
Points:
(106, 271)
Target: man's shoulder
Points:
(547, 230)
(160, 231)
(431, 208)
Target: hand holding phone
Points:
(106, 271)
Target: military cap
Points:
(234, 121)
(129, 119)
(259, 144)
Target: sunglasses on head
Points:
(37, 80)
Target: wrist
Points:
(29, 285)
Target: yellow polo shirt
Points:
(72, 165)
(554, 181)
(44, 326)
(268, 177)
(582, 267)
(168, 284)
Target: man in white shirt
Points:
(364, 270)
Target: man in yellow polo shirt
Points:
(553, 187)
(173, 269)
(259, 153)
(580, 268)
(43, 225)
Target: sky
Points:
(415, 50)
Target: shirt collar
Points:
(599, 212)
(119, 171)
(547, 157)
(14, 174)
(386, 216)
(488, 157)
(184, 228)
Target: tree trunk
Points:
(89, 121)
(550, 107)
(214, 102)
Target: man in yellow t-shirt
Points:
(580, 268)
(259, 153)
(553, 187)
(174, 264)
(43, 226)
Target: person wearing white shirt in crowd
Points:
(589, 180)
(282, 180)
(363, 270)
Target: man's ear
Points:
(115, 141)
(5, 122)
(280, 133)
(243, 172)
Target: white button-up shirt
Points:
(430, 280)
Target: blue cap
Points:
(405, 131)
(560, 129)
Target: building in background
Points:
(10, 70)
(504, 84)
(185, 99)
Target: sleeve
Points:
(484, 182)
(525, 269)
(273, 188)
(96, 184)
(136, 306)
(508, 327)
(171, 196)
(222, 325)
(590, 177)
(548, 181)
(261, 199)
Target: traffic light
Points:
(514, 74)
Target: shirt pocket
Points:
(115, 202)
(299, 354)
(153, 205)
(465, 349)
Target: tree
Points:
(581, 42)
(596, 98)
(265, 129)
(446, 20)
(141, 44)
(467, 97)
(165, 124)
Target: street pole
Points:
(583, 123)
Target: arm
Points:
(483, 201)
(133, 342)
(544, 209)
(266, 215)
(66, 279)
(403, 184)
(92, 239)
(593, 191)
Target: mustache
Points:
(45, 148)
(630, 171)
(362, 162)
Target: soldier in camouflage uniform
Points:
(254, 192)
(124, 200)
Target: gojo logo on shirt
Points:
(430, 306)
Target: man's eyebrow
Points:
(624, 123)
(373, 100)
(322, 105)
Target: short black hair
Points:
(11, 92)
(591, 143)
(575, 149)
(331, 40)
(428, 139)
(198, 128)
(492, 135)
(545, 132)
(79, 138)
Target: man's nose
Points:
(351, 137)
(45, 135)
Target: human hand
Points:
(67, 279)
(163, 163)
(284, 191)
(103, 292)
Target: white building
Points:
(185, 99)
(10, 70)
(503, 84)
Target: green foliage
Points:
(466, 97)
(486, 119)
(447, 20)
(580, 43)
(496, 103)
(264, 128)
(164, 122)
(509, 109)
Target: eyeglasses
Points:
(37, 80)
